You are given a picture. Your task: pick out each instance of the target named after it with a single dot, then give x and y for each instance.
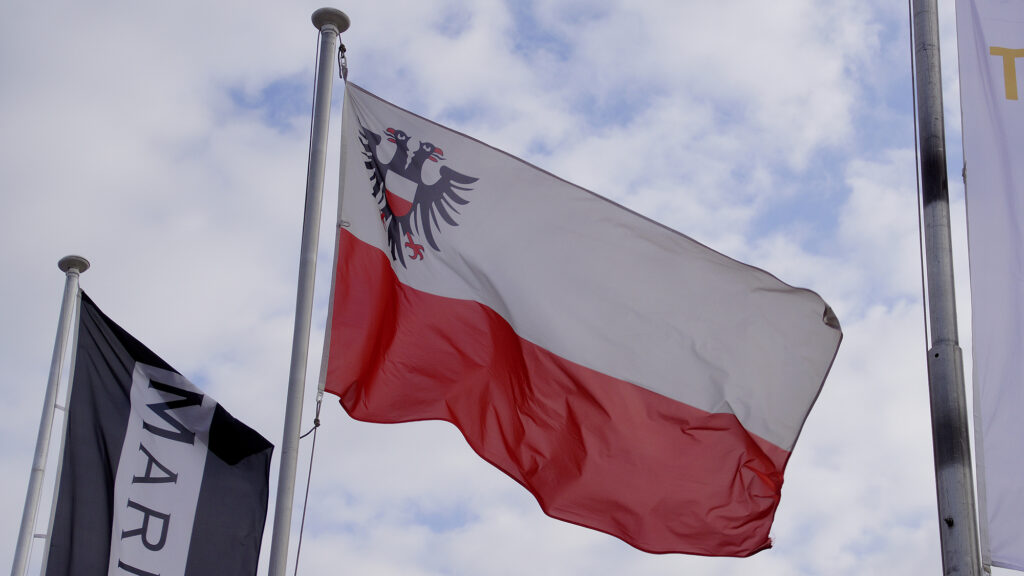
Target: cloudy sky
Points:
(167, 143)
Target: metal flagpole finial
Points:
(73, 262)
(331, 17)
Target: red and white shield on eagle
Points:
(409, 206)
(399, 192)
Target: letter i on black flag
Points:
(157, 477)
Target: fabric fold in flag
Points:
(633, 380)
(990, 43)
(157, 478)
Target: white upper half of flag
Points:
(593, 282)
(991, 50)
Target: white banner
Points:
(991, 51)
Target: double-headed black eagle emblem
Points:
(408, 205)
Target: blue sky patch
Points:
(278, 103)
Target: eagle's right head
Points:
(399, 138)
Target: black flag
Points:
(157, 477)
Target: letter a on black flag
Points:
(157, 477)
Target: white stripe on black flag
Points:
(157, 478)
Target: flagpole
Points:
(958, 525)
(62, 445)
(72, 266)
(331, 23)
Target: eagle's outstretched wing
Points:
(378, 170)
(370, 141)
(438, 199)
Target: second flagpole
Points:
(72, 267)
(331, 23)
(958, 524)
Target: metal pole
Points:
(62, 445)
(330, 23)
(954, 480)
(72, 266)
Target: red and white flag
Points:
(990, 36)
(634, 380)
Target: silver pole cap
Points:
(331, 16)
(73, 262)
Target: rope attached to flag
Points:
(917, 175)
(309, 475)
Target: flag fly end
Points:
(830, 319)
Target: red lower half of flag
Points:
(594, 450)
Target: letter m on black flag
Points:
(163, 409)
(140, 435)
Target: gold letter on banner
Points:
(1009, 68)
